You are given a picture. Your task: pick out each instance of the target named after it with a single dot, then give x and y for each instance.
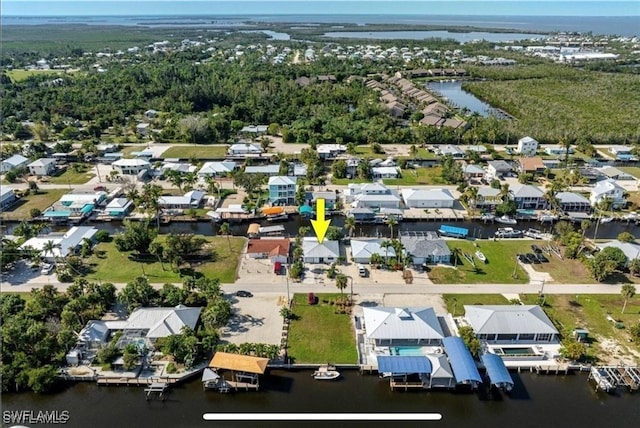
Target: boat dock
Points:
(134, 381)
(609, 378)
(157, 389)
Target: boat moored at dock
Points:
(508, 232)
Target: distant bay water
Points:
(606, 25)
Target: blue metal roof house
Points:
(462, 363)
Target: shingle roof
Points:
(419, 246)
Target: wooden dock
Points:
(394, 384)
(131, 381)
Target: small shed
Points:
(581, 334)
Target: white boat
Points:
(505, 219)
(278, 217)
(326, 372)
(481, 256)
(508, 232)
(547, 217)
(631, 216)
(487, 217)
(606, 219)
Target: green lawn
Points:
(590, 312)
(419, 176)
(366, 151)
(455, 302)
(43, 200)
(71, 176)
(633, 170)
(127, 150)
(108, 264)
(499, 268)
(346, 181)
(319, 335)
(20, 75)
(196, 152)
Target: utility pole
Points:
(515, 267)
(98, 171)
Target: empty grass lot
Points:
(108, 264)
(71, 176)
(196, 152)
(455, 302)
(21, 75)
(43, 200)
(590, 312)
(418, 176)
(319, 335)
(501, 259)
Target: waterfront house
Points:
(243, 149)
(527, 146)
(216, 169)
(282, 190)
(509, 324)
(362, 215)
(276, 250)
(74, 205)
(146, 154)
(66, 244)
(385, 172)
(387, 326)
(42, 167)
(531, 165)
(431, 198)
(488, 199)
(330, 151)
(376, 201)
(425, 248)
(191, 199)
(472, 171)
(268, 170)
(573, 202)
(7, 197)
(118, 208)
(615, 173)
(355, 189)
(362, 249)
(15, 162)
(608, 189)
(528, 197)
(497, 169)
(330, 199)
(630, 249)
(131, 166)
(622, 153)
(299, 170)
(453, 151)
(315, 252)
(558, 150)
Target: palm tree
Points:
(627, 291)
(455, 252)
(398, 247)
(390, 221)
(350, 225)
(413, 151)
(341, 283)
(150, 196)
(156, 249)
(551, 199)
(471, 193)
(505, 193)
(386, 244)
(584, 226)
(225, 229)
(48, 248)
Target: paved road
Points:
(387, 289)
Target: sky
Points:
(313, 7)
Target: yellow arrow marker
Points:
(320, 225)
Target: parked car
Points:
(532, 258)
(536, 249)
(523, 258)
(100, 189)
(278, 268)
(46, 269)
(541, 258)
(243, 293)
(362, 271)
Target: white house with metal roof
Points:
(427, 198)
(608, 189)
(14, 162)
(510, 324)
(385, 172)
(527, 146)
(387, 326)
(240, 149)
(42, 167)
(7, 196)
(315, 252)
(118, 207)
(65, 244)
(131, 166)
(527, 196)
(362, 249)
(191, 199)
(631, 250)
(216, 169)
(355, 189)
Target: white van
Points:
(362, 271)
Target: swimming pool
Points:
(516, 352)
(414, 351)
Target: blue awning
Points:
(400, 365)
(464, 368)
(454, 231)
(305, 209)
(497, 371)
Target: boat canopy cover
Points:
(496, 369)
(305, 209)
(239, 363)
(272, 210)
(464, 368)
(461, 231)
(254, 228)
(209, 374)
(400, 365)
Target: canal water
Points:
(536, 401)
(457, 96)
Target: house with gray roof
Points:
(528, 197)
(488, 198)
(191, 199)
(453, 151)
(427, 198)
(573, 202)
(425, 248)
(497, 168)
(362, 249)
(315, 252)
(630, 249)
(269, 170)
(14, 162)
(216, 169)
(472, 171)
(511, 324)
(242, 149)
(387, 326)
(7, 196)
(42, 167)
(616, 174)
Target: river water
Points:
(536, 401)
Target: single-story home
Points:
(66, 244)
(616, 174)
(453, 151)
(623, 153)
(179, 167)
(14, 162)
(631, 250)
(376, 201)
(269, 170)
(216, 169)
(119, 207)
(362, 249)
(315, 252)
(425, 247)
(255, 129)
(277, 250)
(385, 172)
(240, 149)
(558, 150)
(131, 166)
(355, 189)
(7, 196)
(75, 205)
(431, 198)
(511, 324)
(386, 326)
(42, 167)
(472, 171)
(328, 151)
(142, 128)
(191, 199)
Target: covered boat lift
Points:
(498, 374)
(245, 371)
(405, 371)
(464, 368)
(453, 231)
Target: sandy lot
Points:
(256, 319)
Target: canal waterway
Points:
(460, 98)
(536, 401)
